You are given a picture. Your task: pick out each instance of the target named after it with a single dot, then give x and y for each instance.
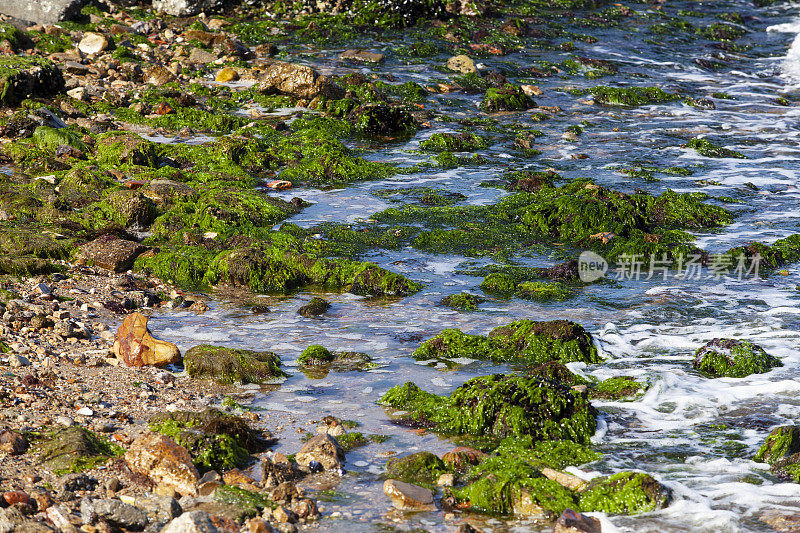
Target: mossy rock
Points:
(706, 148)
(51, 138)
(498, 406)
(317, 306)
(36, 240)
(507, 98)
(315, 355)
(543, 291)
(117, 147)
(454, 142)
(733, 358)
(316, 361)
(616, 388)
(499, 283)
(421, 468)
(520, 341)
(229, 365)
(215, 440)
(24, 77)
(80, 187)
(631, 96)
(250, 503)
(129, 209)
(625, 493)
(781, 442)
(75, 449)
(463, 301)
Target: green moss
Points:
(184, 266)
(521, 341)
(624, 493)
(706, 148)
(251, 503)
(49, 138)
(733, 358)
(228, 365)
(543, 291)
(315, 355)
(421, 468)
(555, 454)
(781, 442)
(499, 406)
(499, 283)
(507, 98)
(615, 388)
(631, 96)
(454, 142)
(463, 301)
(75, 449)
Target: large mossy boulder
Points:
(229, 365)
(24, 77)
(74, 449)
(625, 493)
(781, 450)
(522, 341)
(215, 440)
(499, 406)
(733, 358)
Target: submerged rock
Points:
(520, 341)
(317, 306)
(573, 522)
(625, 493)
(733, 358)
(422, 468)
(135, 346)
(228, 365)
(316, 361)
(408, 497)
(499, 406)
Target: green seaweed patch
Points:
(463, 301)
(733, 358)
(75, 449)
(507, 98)
(631, 96)
(315, 355)
(454, 142)
(355, 439)
(522, 341)
(248, 502)
(228, 365)
(706, 148)
(781, 442)
(543, 291)
(499, 406)
(625, 493)
(616, 388)
(421, 468)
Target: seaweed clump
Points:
(229, 365)
(733, 358)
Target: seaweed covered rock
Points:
(782, 441)
(315, 355)
(421, 468)
(733, 358)
(616, 388)
(24, 77)
(316, 361)
(215, 440)
(520, 341)
(625, 493)
(110, 252)
(382, 119)
(317, 306)
(129, 209)
(706, 148)
(631, 96)
(781, 252)
(507, 98)
(75, 449)
(463, 301)
(135, 346)
(499, 406)
(454, 142)
(229, 365)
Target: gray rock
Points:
(158, 508)
(185, 8)
(110, 252)
(191, 522)
(114, 512)
(198, 55)
(42, 11)
(406, 496)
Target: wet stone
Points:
(406, 496)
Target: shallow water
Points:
(695, 434)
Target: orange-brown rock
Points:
(135, 346)
(163, 461)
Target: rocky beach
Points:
(399, 265)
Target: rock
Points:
(733, 358)
(163, 461)
(317, 306)
(257, 525)
(198, 55)
(322, 448)
(781, 442)
(625, 493)
(446, 480)
(15, 497)
(114, 512)
(781, 521)
(299, 81)
(135, 346)
(572, 522)
(76, 482)
(191, 522)
(59, 516)
(18, 361)
(158, 75)
(226, 74)
(285, 515)
(73, 449)
(462, 64)
(28, 77)
(420, 467)
(573, 483)
(159, 508)
(44, 12)
(462, 457)
(110, 252)
(361, 56)
(406, 496)
(12, 443)
(93, 43)
(185, 8)
(130, 209)
(306, 508)
(227, 365)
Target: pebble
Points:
(64, 421)
(85, 411)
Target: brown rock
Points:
(158, 75)
(12, 442)
(240, 479)
(226, 74)
(137, 347)
(362, 56)
(462, 64)
(299, 81)
(322, 448)
(306, 508)
(406, 496)
(44, 500)
(205, 37)
(782, 521)
(108, 251)
(163, 461)
(198, 55)
(17, 496)
(258, 525)
(572, 522)
(573, 483)
(93, 43)
(284, 515)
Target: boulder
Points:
(186, 8)
(572, 522)
(163, 461)
(43, 12)
(113, 512)
(110, 252)
(299, 81)
(28, 77)
(322, 448)
(74, 449)
(733, 358)
(317, 306)
(137, 347)
(228, 365)
(406, 496)
(191, 522)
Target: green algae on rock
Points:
(781, 442)
(420, 468)
(706, 148)
(498, 406)
(625, 493)
(251, 503)
(315, 355)
(75, 449)
(229, 365)
(520, 341)
(24, 77)
(316, 361)
(215, 440)
(631, 96)
(733, 358)
(463, 301)
(507, 98)
(454, 142)
(617, 388)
